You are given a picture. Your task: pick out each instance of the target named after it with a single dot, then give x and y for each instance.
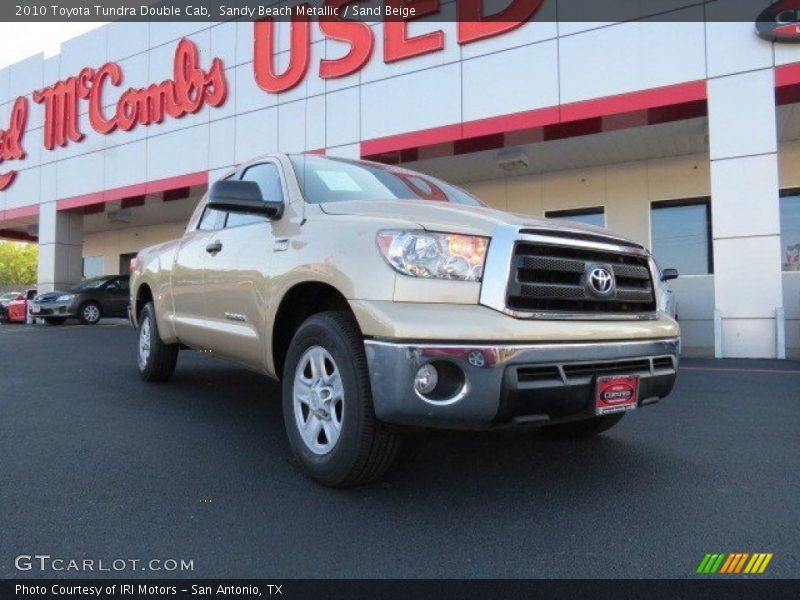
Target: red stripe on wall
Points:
(415, 139)
(787, 75)
(557, 120)
(140, 189)
(633, 101)
(170, 183)
(80, 201)
(787, 84)
(514, 122)
(19, 213)
(128, 191)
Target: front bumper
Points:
(60, 309)
(512, 383)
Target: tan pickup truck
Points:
(381, 297)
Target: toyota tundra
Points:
(384, 298)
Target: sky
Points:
(21, 40)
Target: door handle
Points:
(214, 247)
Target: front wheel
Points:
(156, 359)
(585, 427)
(89, 313)
(327, 404)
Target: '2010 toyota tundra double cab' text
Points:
(381, 297)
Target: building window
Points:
(595, 215)
(790, 230)
(93, 266)
(681, 233)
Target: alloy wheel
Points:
(91, 313)
(318, 397)
(144, 343)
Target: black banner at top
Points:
(566, 11)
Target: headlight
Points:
(434, 255)
(65, 298)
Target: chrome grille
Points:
(551, 279)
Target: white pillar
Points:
(60, 248)
(746, 223)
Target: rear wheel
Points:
(55, 320)
(327, 404)
(89, 313)
(155, 358)
(586, 427)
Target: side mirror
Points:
(669, 274)
(236, 196)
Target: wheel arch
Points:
(301, 301)
(143, 295)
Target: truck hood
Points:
(455, 218)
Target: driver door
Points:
(237, 274)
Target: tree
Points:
(18, 263)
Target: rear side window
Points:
(268, 178)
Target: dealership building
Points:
(681, 133)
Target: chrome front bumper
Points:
(506, 384)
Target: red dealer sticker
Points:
(616, 394)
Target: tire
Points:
(55, 320)
(156, 360)
(345, 444)
(89, 313)
(585, 427)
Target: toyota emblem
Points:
(601, 281)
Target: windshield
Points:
(9, 295)
(90, 284)
(324, 179)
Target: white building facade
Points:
(683, 135)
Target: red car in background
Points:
(16, 311)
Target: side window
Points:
(211, 220)
(122, 283)
(268, 178)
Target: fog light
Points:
(426, 379)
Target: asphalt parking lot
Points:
(96, 464)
